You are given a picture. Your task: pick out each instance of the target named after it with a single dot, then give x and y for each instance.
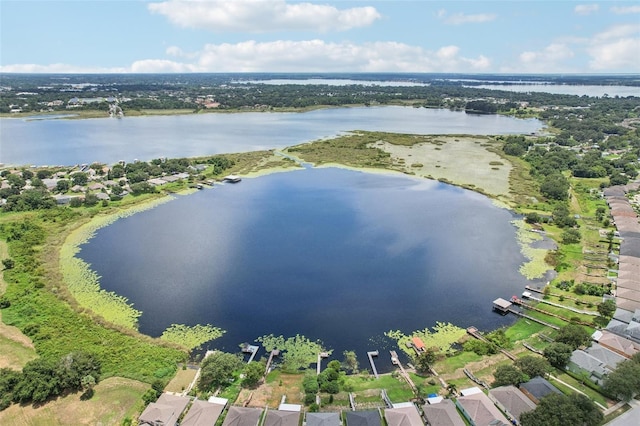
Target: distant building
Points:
(478, 409)
(165, 411)
(537, 388)
(443, 413)
(512, 401)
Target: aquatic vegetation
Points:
(297, 352)
(442, 336)
(84, 284)
(535, 266)
(191, 336)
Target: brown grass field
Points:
(115, 398)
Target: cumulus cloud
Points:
(615, 49)
(306, 56)
(625, 10)
(551, 58)
(257, 16)
(461, 18)
(586, 9)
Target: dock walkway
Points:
(396, 361)
(370, 355)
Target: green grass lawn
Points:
(591, 393)
(523, 329)
(397, 389)
(452, 363)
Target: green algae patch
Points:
(298, 351)
(84, 284)
(442, 336)
(191, 337)
(535, 266)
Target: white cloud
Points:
(302, 56)
(586, 9)
(548, 60)
(616, 49)
(59, 68)
(625, 10)
(257, 16)
(461, 18)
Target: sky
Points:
(141, 36)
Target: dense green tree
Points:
(79, 178)
(8, 263)
(558, 354)
(350, 362)
(8, 381)
(76, 365)
(533, 366)
(570, 236)
(425, 360)
(63, 185)
(573, 335)
(310, 383)
(562, 410)
(253, 373)
(555, 187)
(217, 370)
(607, 308)
(90, 200)
(39, 381)
(508, 375)
(624, 382)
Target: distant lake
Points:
(566, 89)
(333, 254)
(334, 82)
(106, 140)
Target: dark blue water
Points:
(69, 142)
(332, 254)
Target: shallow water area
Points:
(333, 254)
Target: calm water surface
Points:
(69, 142)
(567, 89)
(335, 255)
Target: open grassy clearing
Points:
(114, 399)
(181, 380)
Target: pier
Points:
(371, 354)
(321, 355)
(250, 349)
(274, 353)
(396, 361)
(475, 333)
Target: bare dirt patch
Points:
(270, 394)
(181, 380)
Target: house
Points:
(323, 419)
(165, 411)
(478, 409)
(511, 401)
(584, 364)
(281, 418)
(404, 416)
(608, 357)
(615, 343)
(364, 418)
(202, 413)
(537, 388)
(443, 413)
(242, 416)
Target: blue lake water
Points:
(333, 254)
(69, 142)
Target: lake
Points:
(333, 254)
(566, 89)
(105, 140)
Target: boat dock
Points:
(250, 349)
(370, 355)
(274, 353)
(396, 361)
(321, 355)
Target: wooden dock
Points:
(274, 353)
(250, 349)
(321, 355)
(370, 355)
(475, 333)
(396, 361)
